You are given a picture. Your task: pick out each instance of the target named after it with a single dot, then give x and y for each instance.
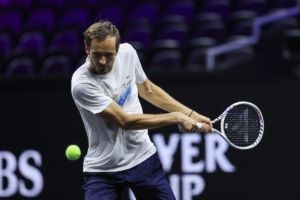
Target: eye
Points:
(108, 55)
(96, 54)
(105, 54)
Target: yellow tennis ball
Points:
(73, 152)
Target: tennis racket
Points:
(242, 125)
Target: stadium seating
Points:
(177, 31)
(20, 68)
(30, 44)
(5, 46)
(43, 20)
(56, 66)
(11, 22)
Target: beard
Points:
(101, 69)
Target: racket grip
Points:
(199, 125)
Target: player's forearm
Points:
(163, 100)
(148, 121)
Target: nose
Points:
(102, 60)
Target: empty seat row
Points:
(35, 44)
(49, 19)
(169, 58)
(27, 67)
(176, 32)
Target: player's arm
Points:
(161, 99)
(89, 97)
(113, 113)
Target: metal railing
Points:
(258, 22)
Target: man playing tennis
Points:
(105, 90)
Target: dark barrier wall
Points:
(39, 119)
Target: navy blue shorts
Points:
(147, 180)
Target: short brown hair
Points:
(100, 31)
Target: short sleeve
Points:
(139, 72)
(90, 98)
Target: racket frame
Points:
(223, 116)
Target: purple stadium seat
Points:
(215, 30)
(10, 22)
(182, 8)
(77, 19)
(285, 24)
(243, 15)
(167, 20)
(30, 44)
(104, 3)
(22, 5)
(5, 46)
(258, 6)
(163, 45)
(112, 13)
(241, 22)
(176, 32)
(168, 60)
(137, 34)
(65, 42)
(200, 43)
(56, 66)
(207, 17)
(50, 4)
(283, 3)
(42, 20)
(20, 67)
(146, 12)
(243, 28)
(221, 7)
(141, 51)
(157, 57)
(196, 53)
(81, 3)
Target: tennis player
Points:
(105, 90)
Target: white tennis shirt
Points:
(110, 147)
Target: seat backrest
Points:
(53, 4)
(221, 7)
(21, 5)
(20, 67)
(65, 42)
(216, 30)
(137, 34)
(258, 6)
(42, 20)
(147, 11)
(113, 13)
(11, 22)
(166, 60)
(77, 19)
(56, 65)
(5, 45)
(178, 32)
(32, 43)
(182, 8)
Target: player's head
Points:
(102, 41)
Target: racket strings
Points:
(242, 125)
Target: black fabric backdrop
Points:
(41, 115)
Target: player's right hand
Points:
(188, 124)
